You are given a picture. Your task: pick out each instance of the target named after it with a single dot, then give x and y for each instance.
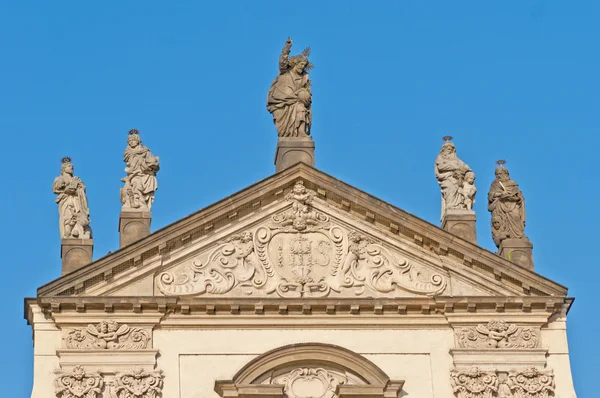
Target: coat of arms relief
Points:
(300, 252)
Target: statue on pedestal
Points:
(456, 179)
(507, 205)
(73, 211)
(289, 98)
(141, 169)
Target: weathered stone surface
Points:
(141, 169)
(519, 251)
(461, 223)
(133, 226)
(294, 150)
(75, 253)
(289, 98)
(456, 179)
(73, 211)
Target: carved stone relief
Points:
(310, 382)
(531, 383)
(300, 252)
(474, 383)
(497, 334)
(78, 384)
(107, 335)
(138, 383)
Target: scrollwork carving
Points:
(310, 382)
(300, 252)
(531, 383)
(474, 383)
(139, 383)
(107, 335)
(497, 334)
(78, 384)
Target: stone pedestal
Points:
(75, 253)
(294, 150)
(519, 251)
(133, 226)
(461, 223)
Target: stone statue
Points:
(289, 98)
(458, 191)
(141, 169)
(73, 211)
(507, 205)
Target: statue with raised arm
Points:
(73, 211)
(141, 169)
(289, 98)
(507, 205)
(458, 192)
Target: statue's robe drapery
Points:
(447, 172)
(290, 115)
(70, 205)
(508, 207)
(141, 172)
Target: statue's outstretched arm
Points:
(283, 58)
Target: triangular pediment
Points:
(302, 233)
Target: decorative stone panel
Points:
(497, 334)
(78, 384)
(107, 335)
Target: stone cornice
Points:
(394, 221)
(324, 313)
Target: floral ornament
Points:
(139, 383)
(77, 384)
(531, 383)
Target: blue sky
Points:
(516, 80)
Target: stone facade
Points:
(301, 286)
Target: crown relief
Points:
(107, 335)
(299, 252)
(497, 334)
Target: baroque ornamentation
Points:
(456, 179)
(310, 382)
(141, 169)
(78, 384)
(73, 211)
(289, 98)
(138, 383)
(107, 335)
(531, 383)
(507, 205)
(300, 253)
(474, 383)
(497, 334)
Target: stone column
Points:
(460, 223)
(75, 253)
(519, 251)
(292, 150)
(133, 226)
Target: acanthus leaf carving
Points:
(138, 383)
(78, 384)
(531, 383)
(300, 252)
(474, 383)
(107, 335)
(497, 334)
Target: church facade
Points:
(299, 286)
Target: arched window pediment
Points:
(310, 371)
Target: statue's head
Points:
(67, 166)
(300, 63)
(247, 237)
(496, 222)
(501, 173)
(299, 188)
(134, 138)
(470, 177)
(448, 149)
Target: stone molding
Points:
(502, 359)
(312, 361)
(332, 193)
(109, 335)
(300, 252)
(497, 333)
(78, 383)
(529, 382)
(138, 383)
(107, 361)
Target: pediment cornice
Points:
(395, 224)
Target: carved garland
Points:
(299, 253)
(107, 335)
(497, 334)
(527, 383)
